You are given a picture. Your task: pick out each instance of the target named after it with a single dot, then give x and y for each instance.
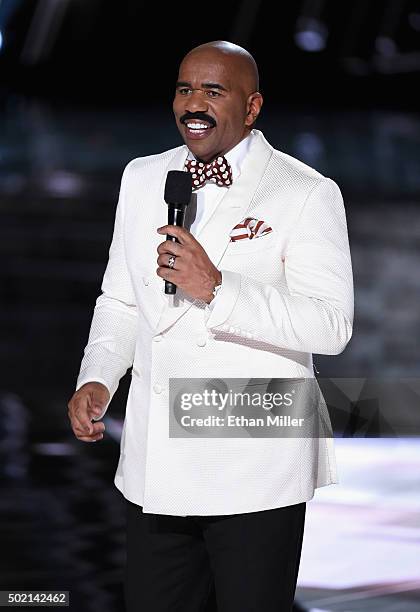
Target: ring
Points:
(171, 261)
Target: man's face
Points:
(210, 106)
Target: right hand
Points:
(88, 402)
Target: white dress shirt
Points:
(209, 196)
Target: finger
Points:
(77, 426)
(97, 428)
(90, 438)
(169, 246)
(75, 421)
(97, 402)
(183, 235)
(79, 410)
(168, 274)
(95, 411)
(163, 260)
(82, 416)
(94, 408)
(80, 435)
(79, 429)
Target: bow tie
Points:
(219, 171)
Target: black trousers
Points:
(243, 562)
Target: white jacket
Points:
(286, 295)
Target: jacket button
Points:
(146, 280)
(201, 341)
(157, 338)
(157, 388)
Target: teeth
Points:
(197, 126)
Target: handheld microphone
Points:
(178, 189)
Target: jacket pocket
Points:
(252, 245)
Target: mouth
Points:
(197, 129)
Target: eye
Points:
(184, 91)
(212, 94)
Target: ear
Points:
(253, 105)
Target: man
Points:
(264, 280)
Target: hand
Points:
(193, 271)
(86, 403)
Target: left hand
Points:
(193, 271)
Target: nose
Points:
(196, 102)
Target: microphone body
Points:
(178, 189)
(176, 215)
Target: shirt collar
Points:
(236, 155)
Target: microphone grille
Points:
(178, 187)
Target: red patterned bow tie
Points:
(218, 171)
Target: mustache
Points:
(199, 116)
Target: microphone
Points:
(178, 189)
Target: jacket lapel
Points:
(214, 235)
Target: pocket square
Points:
(249, 228)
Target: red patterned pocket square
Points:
(249, 228)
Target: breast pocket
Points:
(252, 245)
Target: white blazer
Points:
(286, 295)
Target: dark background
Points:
(85, 86)
(79, 52)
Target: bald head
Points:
(217, 100)
(238, 59)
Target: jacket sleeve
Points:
(112, 337)
(315, 313)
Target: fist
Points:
(88, 402)
(193, 271)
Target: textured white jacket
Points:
(286, 295)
